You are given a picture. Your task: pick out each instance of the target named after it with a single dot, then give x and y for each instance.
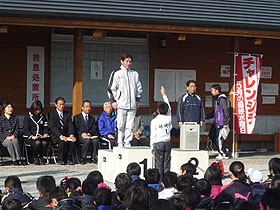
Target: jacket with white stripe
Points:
(190, 108)
(125, 88)
(35, 125)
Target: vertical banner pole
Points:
(233, 111)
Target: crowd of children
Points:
(170, 191)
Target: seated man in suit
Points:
(85, 127)
(62, 132)
(107, 124)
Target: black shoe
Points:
(70, 162)
(36, 161)
(61, 162)
(16, 163)
(83, 161)
(42, 161)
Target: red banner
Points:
(248, 72)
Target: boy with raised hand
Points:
(160, 135)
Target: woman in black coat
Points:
(35, 129)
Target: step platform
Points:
(180, 157)
(116, 161)
(113, 162)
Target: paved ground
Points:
(29, 174)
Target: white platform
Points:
(113, 162)
(180, 157)
(118, 159)
(105, 163)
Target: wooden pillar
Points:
(77, 72)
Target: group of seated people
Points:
(59, 129)
(169, 192)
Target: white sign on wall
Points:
(35, 75)
(266, 72)
(96, 70)
(174, 82)
(224, 86)
(225, 71)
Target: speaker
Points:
(189, 136)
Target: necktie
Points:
(86, 119)
(61, 120)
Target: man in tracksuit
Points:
(190, 106)
(220, 127)
(125, 90)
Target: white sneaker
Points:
(120, 145)
(127, 145)
(219, 157)
(225, 157)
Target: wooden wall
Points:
(206, 54)
(13, 61)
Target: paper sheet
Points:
(268, 100)
(270, 89)
(224, 86)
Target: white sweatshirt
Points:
(161, 127)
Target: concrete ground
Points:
(29, 174)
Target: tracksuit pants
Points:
(162, 151)
(125, 123)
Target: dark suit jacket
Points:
(55, 126)
(80, 125)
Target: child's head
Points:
(214, 175)
(255, 176)
(12, 182)
(178, 203)
(162, 108)
(56, 195)
(169, 179)
(192, 197)
(275, 183)
(97, 176)
(184, 182)
(72, 184)
(189, 167)
(89, 186)
(136, 198)
(12, 204)
(140, 183)
(274, 166)
(122, 179)
(152, 176)
(45, 184)
(102, 197)
(236, 170)
(121, 192)
(161, 204)
(203, 187)
(133, 169)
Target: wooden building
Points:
(75, 33)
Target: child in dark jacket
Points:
(204, 188)
(238, 188)
(133, 170)
(60, 201)
(152, 177)
(14, 191)
(255, 180)
(103, 199)
(45, 184)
